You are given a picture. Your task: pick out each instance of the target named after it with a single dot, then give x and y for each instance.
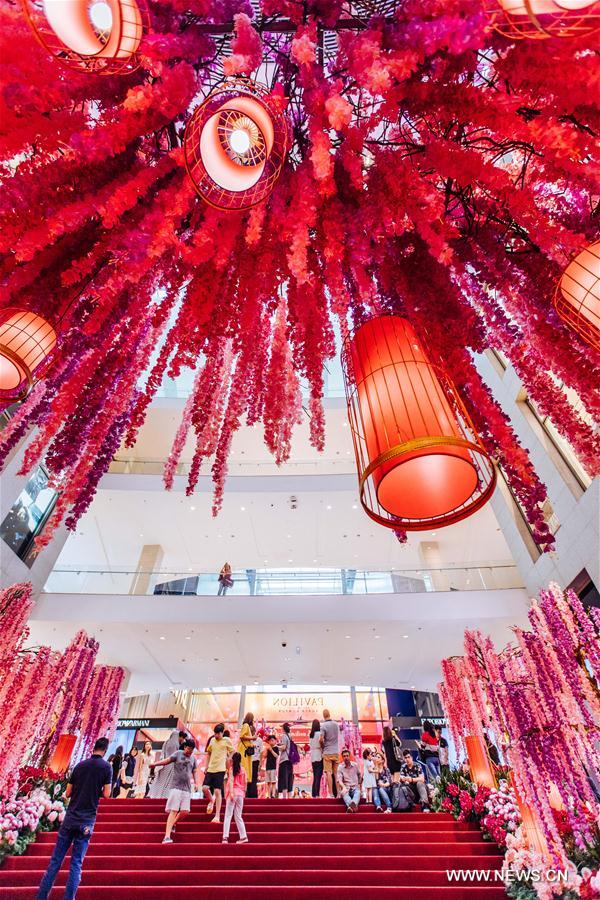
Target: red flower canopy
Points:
(437, 170)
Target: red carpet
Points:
(307, 847)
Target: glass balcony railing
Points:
(239, 465)
(275, 582)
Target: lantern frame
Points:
(569, 307)
(95, 63)
(27, 371)
(561, 22)
(469, 443)
(275, 150)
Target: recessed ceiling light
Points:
(192, 508)
(404, 635)
(347, 637)
(377, 636)
(371, 657)
(412, 687)
(328, 506)
(355, 506)
(433, 533)
(141, 534)
(162, 637)
(256, 682)
(188, 637)
(290, 560)
(344, 424)
(243, 508)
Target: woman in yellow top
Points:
(245, 740)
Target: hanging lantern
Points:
(420, 462)
(100, 36)
(544, 18)
(235, 145)
(577, 297)
(26, 340)
(480, 764)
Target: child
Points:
(271, 754)
(368, 776)
(234, 794)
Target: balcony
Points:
(281, 582)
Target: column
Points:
(151, 557)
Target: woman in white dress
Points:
(369, 781)
(142, 771)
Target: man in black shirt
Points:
(89, 781)
(413, 777)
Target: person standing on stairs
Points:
(369, 782)
(392, 750)
(90, 780)
(234, 793)
(142, 771)
(219, 749)
(285, 775)
(349, 781)
(271, 755)
(162, 783)
(330, 745)
(245, 745)
(316, 757)
(185, 771)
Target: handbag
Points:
(397, 748)
(249, 751)
(401, 798)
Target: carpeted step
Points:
(232, 891)
(277, 877)
(17, 869)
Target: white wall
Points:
(576, 511)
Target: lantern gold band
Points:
(14, 358)
(419, 444)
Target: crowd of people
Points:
(390, 779)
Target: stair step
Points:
(249, 876)
(232, 891)
(140, 866)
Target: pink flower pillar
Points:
(15, 606)
(541, 701)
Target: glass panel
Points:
(28, 515)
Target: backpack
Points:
(293, 753)
(400, 799)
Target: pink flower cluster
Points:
(26, 815)
(501, 814)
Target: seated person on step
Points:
(349, 781)
(412, 775)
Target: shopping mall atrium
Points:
(299, 432)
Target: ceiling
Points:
(258, 525)
(253, 530)
(385, 640)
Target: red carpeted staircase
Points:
(303, 847)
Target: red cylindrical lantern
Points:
(544, 18)
(420, 461)
(101, 36)
(235, 145)
(26, 341)
(577, 297)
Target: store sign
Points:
(170, 722)
(293, 707)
